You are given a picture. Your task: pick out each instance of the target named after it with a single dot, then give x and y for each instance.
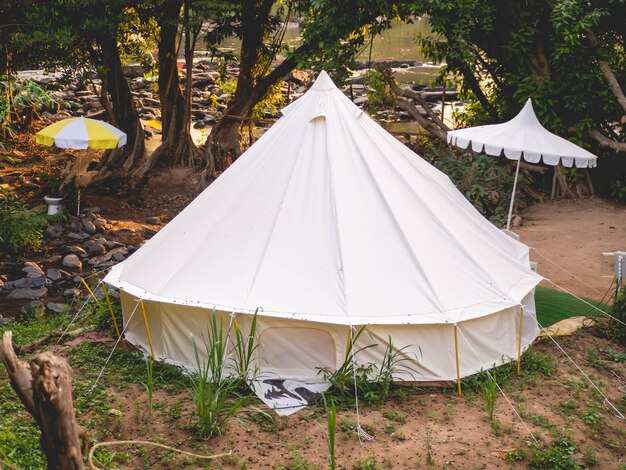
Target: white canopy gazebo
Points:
(522, 137)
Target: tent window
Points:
(296, 352)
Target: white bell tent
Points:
(328, 222)
(522, 137)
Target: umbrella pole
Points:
(508, 220)
(78, 188)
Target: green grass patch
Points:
(554, 306)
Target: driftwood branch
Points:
(45, 389)
(431, 122)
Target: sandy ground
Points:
(574, 234)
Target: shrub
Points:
(617, 330)
(21, 229)
(487, 182)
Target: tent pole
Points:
(508, 220)
(456, 351)
(106, 296)
(519, 341)
(91, 292)
(145, 322)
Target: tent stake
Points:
(519, 341)
(145, 322)
(91, 292)
(456, 351)
(106, 296)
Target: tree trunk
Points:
(124, 113)
(177, 147)
(46, 392)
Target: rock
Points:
(56, 274)
(118, 254)
(57, 307)
(99, 222)
(133, 71)
(71, 293)
(516, 221)
(199, 125)
(76, 250)
(5, 321)
(32, 268)
(153, 221)
(151, 104)
(360, 100)
(28, 293)
(54, 230)
(96, 249)
(208, 119)
(72, 261)
(77, 279)
(24, 283)
(111, 244)
(89, 226)
(80, 236)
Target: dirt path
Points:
(574, 234)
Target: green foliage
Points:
(21, 229)
(331, 426)
(214, 395)
(618, 191)
(487, 182)
(617, 330)
(490, 394)
(367, 464)
(558, 457)
(20, 100)
(246, 346)
(379, 93)
(150, 381)
(371, 382)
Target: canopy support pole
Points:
(456, 352)
(106, 296)
(508, 220)
(145, 322)
(519, 341)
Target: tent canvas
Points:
(329, 223)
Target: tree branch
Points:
(608, 74)
(604, 141)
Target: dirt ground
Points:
(428, 428)
(574, 234)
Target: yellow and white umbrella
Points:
(81, 133)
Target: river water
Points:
(397, 43)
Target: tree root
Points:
(148, 443)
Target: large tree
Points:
(332, 33)
(567, 55)
(177, 147)
(94, 34)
